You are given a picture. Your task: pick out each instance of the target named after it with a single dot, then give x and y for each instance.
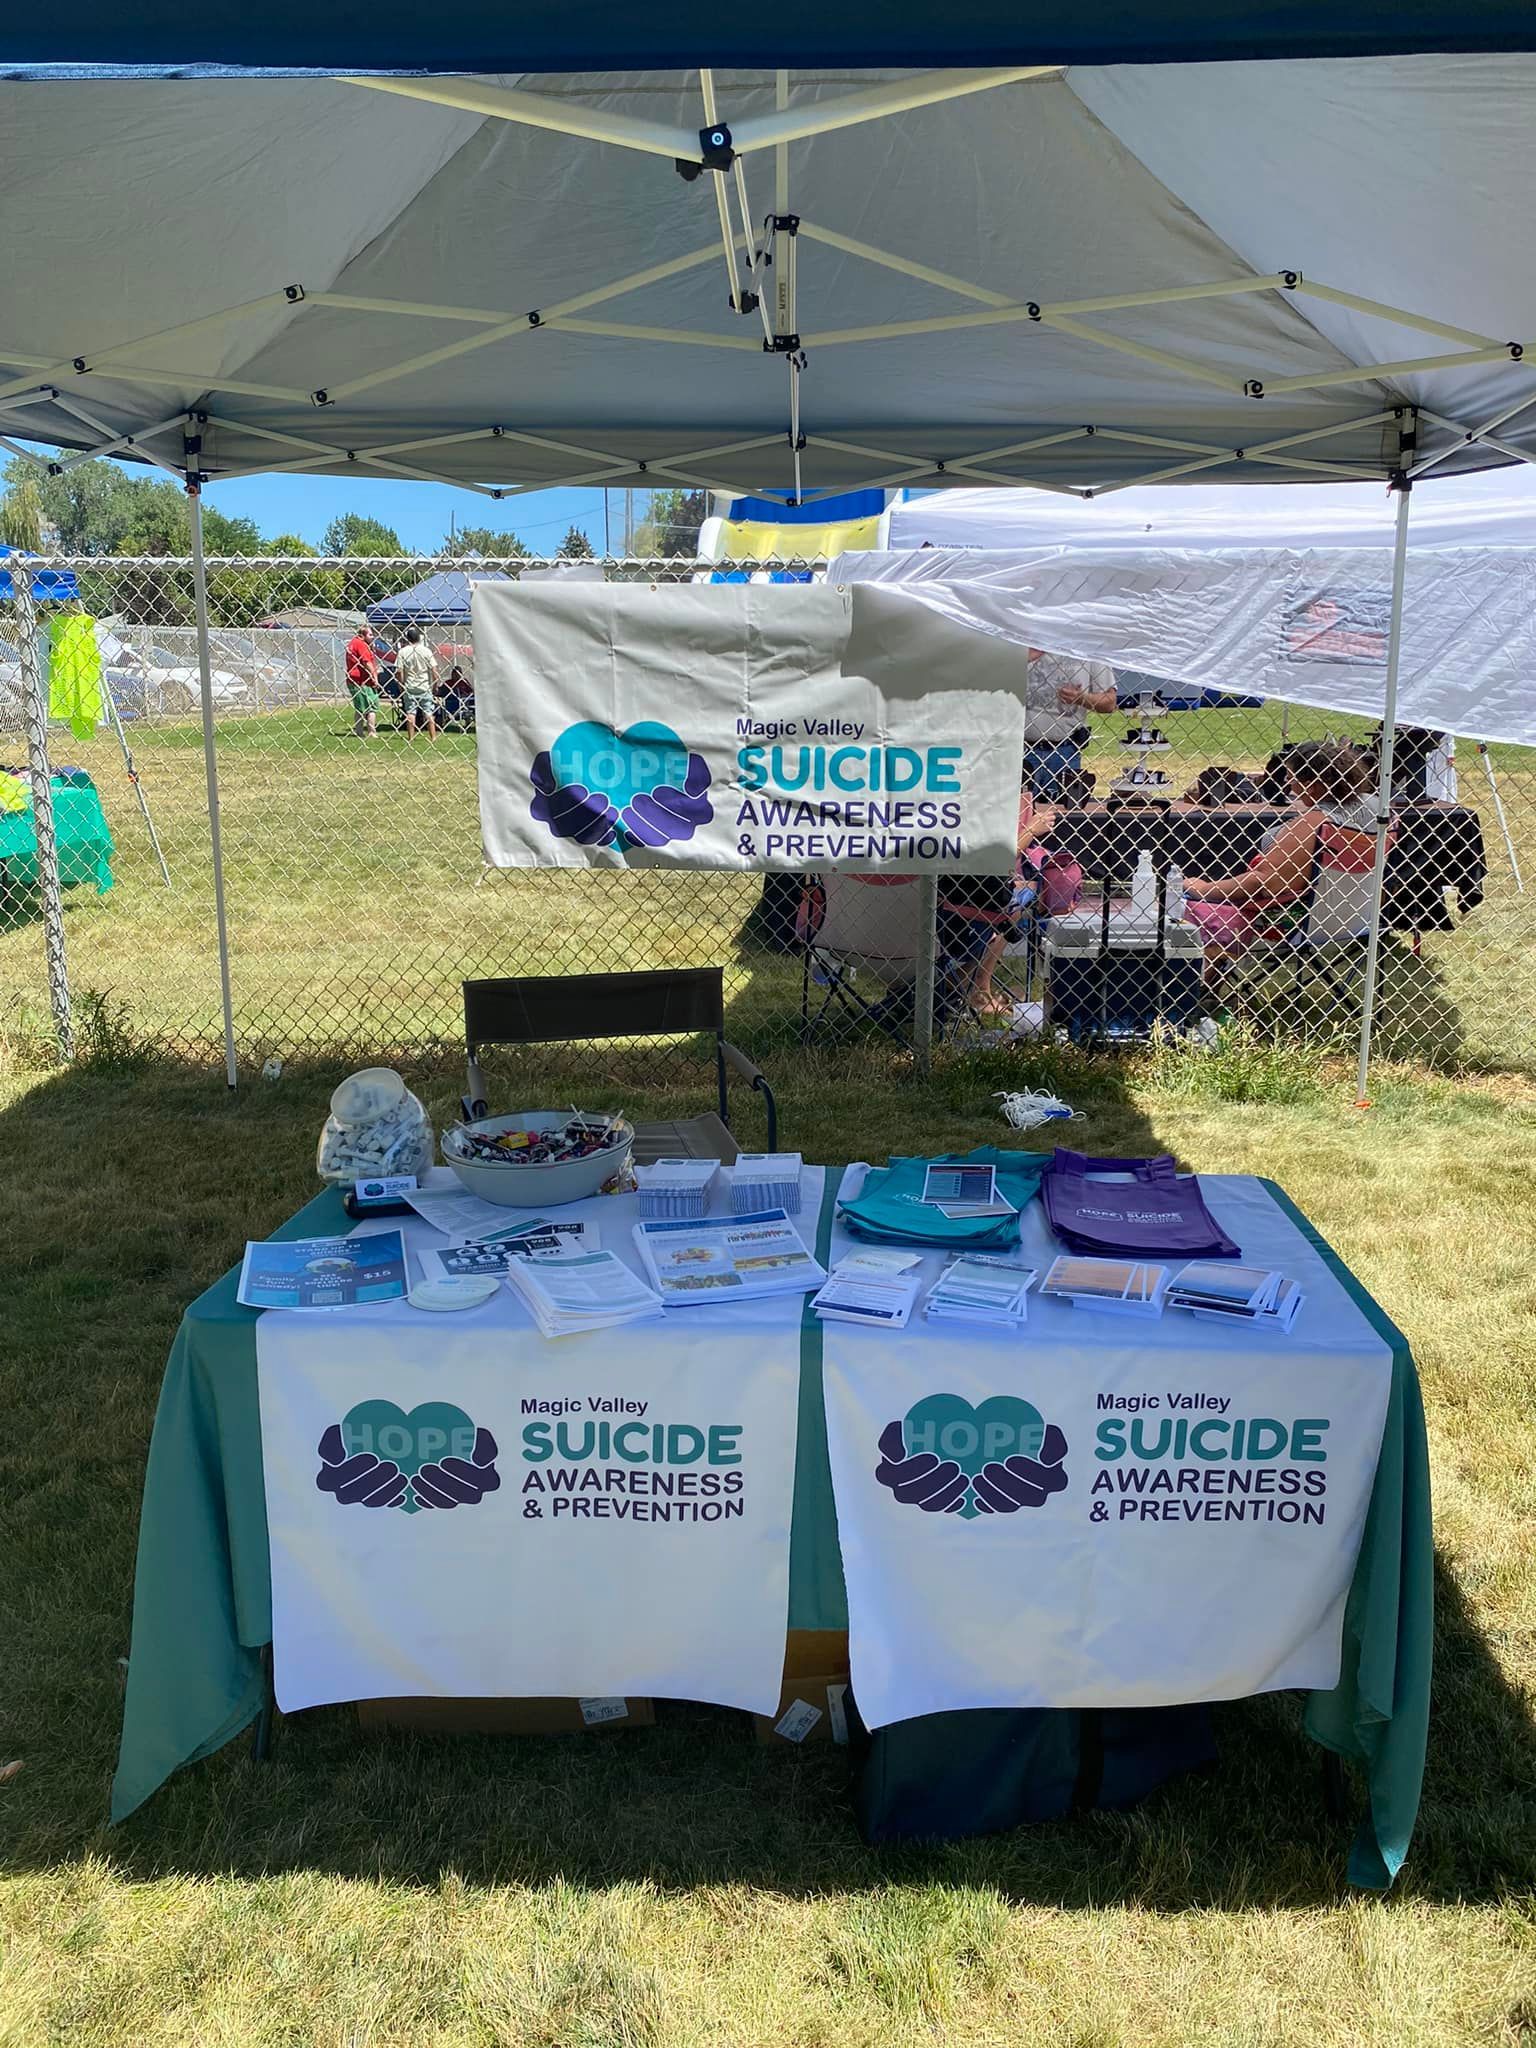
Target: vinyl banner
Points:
(748, 726)
(1105, 1512)
(470, 1511)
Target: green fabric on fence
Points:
(202, 1599)
(74, 672)
(80, 831)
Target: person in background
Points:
(363, 685)
(1057, 691)
(416, 668)
(979, 914)
(456, 700)
(1332, 785)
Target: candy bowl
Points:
(538, 1158)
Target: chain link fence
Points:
(358, 902)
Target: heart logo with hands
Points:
(639, 787)
(378, 1456)
(947, 1457)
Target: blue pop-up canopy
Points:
(47, 584)
(440, 600)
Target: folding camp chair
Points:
(550, 1009)
(853, 925)
(1328, 944)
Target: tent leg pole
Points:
(35, 695)
(927, 970)
(133, 775)
(1384, 790)
(211, 773)
(1498, 805)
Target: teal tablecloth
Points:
(80, 828)
(203, 1611)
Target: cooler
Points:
(1116, 984)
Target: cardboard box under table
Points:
(202, 1613)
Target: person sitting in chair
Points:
(1336, 825)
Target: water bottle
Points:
(1173, 898)
(1144, 886)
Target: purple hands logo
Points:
(377, 1456)
(949, 1458)
(641, 787)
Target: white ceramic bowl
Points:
(547, 1185)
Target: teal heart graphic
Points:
(434, 1430)
(1002, 1427)
(619, 765)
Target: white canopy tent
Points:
(1072, 278)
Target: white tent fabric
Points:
(1076, 279)
(1495, 509)
(1306, 625)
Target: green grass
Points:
(357, 907)
(681, 1887)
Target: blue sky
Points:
(419, 513)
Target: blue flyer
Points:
(323, 1272)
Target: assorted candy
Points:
(580, 1138)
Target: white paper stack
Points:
(873, 1287)
(1124, 1287)
(1221, 1293)
(675, 1188)
(727, 1258)
(592, 1291)
(980, 1291)
(765, 1180)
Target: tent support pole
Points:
(1498, 805)
(35, 696)
(133, 774)
(1404, 491)
(926, 970)
(211, 771)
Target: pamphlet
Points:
(491, 1256)
(323, 1272)
(589, 1291)
(1127, 1287)
(870, 1287)
(456, 1214)
(978, 1291)
(1218, 1292)
(728, 1258)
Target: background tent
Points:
(47, 585)
(1494, 509)
(1243, 270)
(438, 600)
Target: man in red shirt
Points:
(363, 685)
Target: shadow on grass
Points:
(129, 1187)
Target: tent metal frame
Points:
(718, 149)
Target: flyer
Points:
(490, 1257)
(323, 1272)
(727, 1258)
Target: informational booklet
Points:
(323, 1272)
(491, 1256)
(589, 1291)
(872, 1286)
(975, 1291)
(960, 1187)
(1127, 1287)
(1218, 1292)
(727, 1258)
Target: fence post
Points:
(927, 966)
(211, 770)
(34, 687)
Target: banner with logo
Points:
(743, 726)
(459, 1508)
(1101, 1512)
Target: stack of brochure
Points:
(765, 1180)
(1217, 1291)
(963, 1191)
(727, 1258)
(587, 1291)
(1126, 1287)
(489, 1257)
(874, 1286)
(675, 1187)
(980, 1291)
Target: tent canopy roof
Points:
(441, 599)
(503, 283)
(483, 35)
